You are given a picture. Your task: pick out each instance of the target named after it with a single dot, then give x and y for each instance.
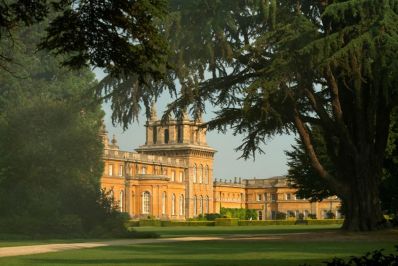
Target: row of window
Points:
(166, 135)
(144, 170)
(274, 197)
(203, 203)
(201, 174)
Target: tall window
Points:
(207, 204)
(121, 170)
(146, 202)
(195, 207)
(273, 197)
(201, 174)
(258, 197)
(260, 215)
(173, 175)
(201, 205)
(166, 136)
(181, 204)
(206, 174)
(181, 177)
(143, 170)
(194, 173)
(110, 170)
(173, 204)
(155, 135)
(121, 201)
(164, 203)
(179, 134)
(288, 196)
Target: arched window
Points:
(201, 205)
(181, 204)
(173, 204)
(201, 174)
(194, 173)
(146, 202)
(195, 207)
(121, 201)
(207, 204)
(164, 203)
(166, 136)
(206, 174)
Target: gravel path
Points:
(37, 249)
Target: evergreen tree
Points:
(286, 66)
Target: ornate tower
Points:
(185, 139)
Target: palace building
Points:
(171, 178)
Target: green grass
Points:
(233, 230)
(285, 249)
(207, 253)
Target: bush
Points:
(240, 213)
(212, 216)
(187, 223)
(265, 222)
(370, 258)
(330, 215)
(226, 221)
(325, 221)
(280, 216)
(150, 222)
(311, 216)
(132, 223)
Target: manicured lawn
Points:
(244, 245)
(232, 252)
(228, 230)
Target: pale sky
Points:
(226, 162)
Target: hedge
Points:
(266, 222)
(325, 221)
(231, 222)
(290, 222)
(226, 221)
(187, 223)
(133, 223)
(149, 223)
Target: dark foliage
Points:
(369, 259)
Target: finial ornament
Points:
(154, 115)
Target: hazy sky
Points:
(226, 162)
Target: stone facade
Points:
(171, 177)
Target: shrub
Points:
(280, 216)
(370, 258)
(330, 215)
(187, 223)
(265, 222)
(325, 221)
(226, 221)
(212, 216)
(132, 223)
(150, 222)
(311, 216)
(240, 213)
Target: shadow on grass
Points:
(206, 253)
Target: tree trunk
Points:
(362, 206)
